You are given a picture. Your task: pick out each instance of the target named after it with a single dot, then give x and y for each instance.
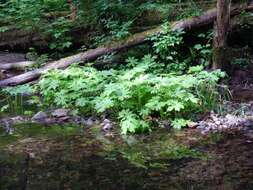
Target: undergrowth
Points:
(105, 19)
(135, 95)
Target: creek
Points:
(70, 156)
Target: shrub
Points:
(136, 94)
(75, 87)
(13, 98)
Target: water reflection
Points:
(73, 157)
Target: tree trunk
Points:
(73, 11)
(206, 19)
(221, 28)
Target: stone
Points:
(89, 122)
(248, 123)
(96, 121)
(60, 112)
(106, 121)
(6, 124)
(201, 125)
(18, 119)
(39, 116)
(107, 126)
(192, 125)
(64, 119)
(165, 124)
(49, 121)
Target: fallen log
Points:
(206, 19)
(17, 65)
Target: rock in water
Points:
(60, 113)
(40, 116)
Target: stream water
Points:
(72, 157)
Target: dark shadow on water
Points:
(39, 158)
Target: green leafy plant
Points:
(241, 62)
(201, 52)
(166, 44)
(117, 29)
(40, 60)
(22, 89)
(59, 30)
(14, 98)
(191, 11)
(167, 47)
(131, 123)
(135, 94)
(179, 123)
(75, 87)
(34, 16)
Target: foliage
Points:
(13, 98)
(137, 93)
(40, 60)
(75, 87)
(31, 15)
(110, 19)
(131, 123)
(118, 30)
(179, 123)
(22, 89)
(241, 62)
(202, 51)
(166, 44)
(190, 11)
(59, 30)
(169, 96)
(167, 47)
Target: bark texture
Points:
(73, 10)
(206, 19)
(221, 28)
